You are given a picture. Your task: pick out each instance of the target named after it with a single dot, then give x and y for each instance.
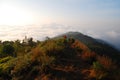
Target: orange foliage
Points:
(78, 44)
(36, 53)
(106, 62)
(88, 55)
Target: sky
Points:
(40, 18)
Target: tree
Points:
(7, 49)
(31, 42)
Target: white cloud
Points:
(39, 32)
(113, 34)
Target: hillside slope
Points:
(96, 45)
(60, 58)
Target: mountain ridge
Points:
(96, 45)
(62, 58)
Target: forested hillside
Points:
(62, 58)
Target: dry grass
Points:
(36, 53)
(106, 62)
(78, 44)
(87, 55)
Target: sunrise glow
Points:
(14, 15)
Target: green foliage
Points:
(51, 48)
(41, 58)
(23, 62)
(100, 72)
(6, 66)
(3, 60)
(97, 66)
(60, 48)
(17, 46)
(31, 42)
(7, 49)
(55, 57)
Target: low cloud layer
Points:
(39, 32)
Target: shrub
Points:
(104, 68)
(23, 62)
(79, 45)
(107, 63)
(6, 66)
(22, 67)
(52, 48)
(41, 59)
(97, 66)
(98, 72)
(40, 56)
(5, 59)
(7, 49)
(36, 53)
(88, 56)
